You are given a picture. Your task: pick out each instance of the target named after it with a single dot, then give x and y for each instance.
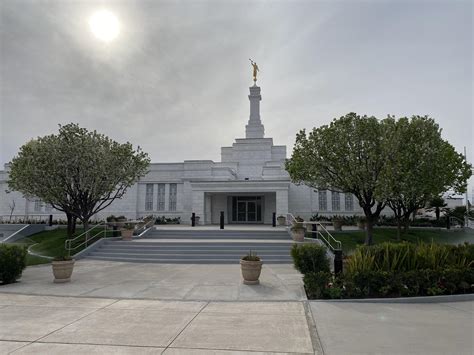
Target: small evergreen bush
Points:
(310, 257)
(316, 284)
(12, 262)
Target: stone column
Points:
(282, 202)
(198, 205)
(207, 208)
(254, 128)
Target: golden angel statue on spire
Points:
(255, 70)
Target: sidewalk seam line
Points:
(54, 331)
(187, 325)
(312, 326)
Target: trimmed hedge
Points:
(310, 258)
(12, 262)
(398, 270)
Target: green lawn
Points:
(350, 239)
(47, 243)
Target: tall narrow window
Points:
(161, 197)
(173, 193)
(349, 202)
(38, 205)
(336, 201)
(323, 200)
(149, 197)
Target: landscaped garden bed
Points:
(388, 270)
(351, 239)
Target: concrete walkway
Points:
(395, 328)
(57, 325)
(94, 278)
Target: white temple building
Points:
(249, 184)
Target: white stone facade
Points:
(248, 185)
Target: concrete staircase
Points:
(199, 247)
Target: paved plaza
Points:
(132, 308)
(95, 278)
(54, 325)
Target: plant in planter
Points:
(337, 223)
(281, 220)
(298, 231)
(62, 268)
(251, 266)
(127, 231)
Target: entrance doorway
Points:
(247, 209)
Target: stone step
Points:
(218, 236)
(277, 260)
(198, 250)
(179, 255)
(198, 246)
(240, 251)
(217, 231)
(229, 244)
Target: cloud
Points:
(176, 80)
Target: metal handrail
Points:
(68, 243)
(458, 220)
(469, 222)
(319, 226)
(144, 225)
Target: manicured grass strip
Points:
(48, 243)
(350, 239)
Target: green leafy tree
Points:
(77, 171)
(420, 166)
(347, 155)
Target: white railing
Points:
(144, 225)
(320, 231)
(456, 222)
(469, 222)
(98, 231)
(104, 230)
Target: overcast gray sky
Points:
(175, 80)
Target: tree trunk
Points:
(437, 213)
(399, 229)
(406, 224)
(74, 222)
(369, 225)
(70, 225)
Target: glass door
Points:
(241, 211)
(247, 209)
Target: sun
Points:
(104, 25)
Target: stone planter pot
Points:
(337, 225)
(297, 234)
(361, 225)
(127, 234)
(62, 270)
(251, 271)
(281, 221)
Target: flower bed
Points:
(393, 270)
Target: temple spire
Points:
(254, 128)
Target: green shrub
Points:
(310, 257)
(407, 256)
(12, 262)
(316, 283)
